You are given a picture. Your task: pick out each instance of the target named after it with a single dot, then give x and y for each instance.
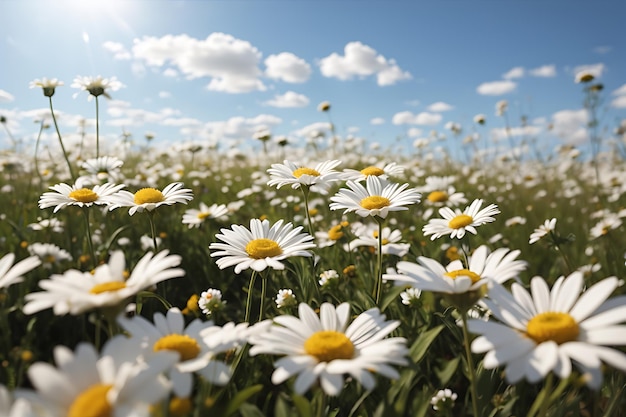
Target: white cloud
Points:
(119, 50)
(377, 121)
(619, 102)
(423, 118)
(502, 133)
(543, 71)
(313, 129)
(439, 106)
(620, 91)
(287, 67)
(570, 125)
(602, 49)
(516, 72)
(123, 114)
(496, 88)
(165, 94)
(6, 97)
(414, 132)
(170, 72)
(240, 128)
(360, 60)
(595, 69)
(289, 99)
(232, 64)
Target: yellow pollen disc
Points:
(92, 403)
(559, 327)
(375, 202)
(263, 248)
(305, 171)
(107, 286)
(148, 195)
(385, 241)
(328, 345)
(375, 171)
(84, 195)
(459, 221)
(186, 346)
(50, 259)
(204, 215)
(464, 273)
(335, 232)
(437, 197)
(179, 407)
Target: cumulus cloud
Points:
(289, 99)
(287, 67)
(516, 72)
(423, 118)
(502, 133)
(6, 97)
(620, 91)
(230, 63)
(118, 50)
(570, 125)
(545, 71)
(313, 130)
(360, 60)
(439, 106)
(165, 94)
(377, 121)
(619, 102)
(240, 128)
(496, 88)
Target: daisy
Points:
(429, 275)
(547, 329)
(296, 175)
(76, 292)
(411, 296)
(196, 217)
(78, 195)
(210, 301)
(444, 400)
(150, 198)
(329, 238)
(104, 168)
(48, 85)
(389, 170)
(49, 254)
(368, 236)
(456, 223)
(12, 274)
(285, 298)
(377, 198)
(113, 383)
(441, 192)
(97, 86)
(169, 333)
(14, 407)
(326, 348)
(261, 246)
(53, 224)
(543, 230)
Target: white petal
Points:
(593, 298)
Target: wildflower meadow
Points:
(326, 279)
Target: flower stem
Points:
(98, 130)
(305, 191)
(92, 252)
(56, 126)
(543, 400)
(152, 230)
(471, 370)
(249, 300)
(379, 262)
(263, 294)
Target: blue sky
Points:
(393, 71)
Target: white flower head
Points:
(260, 246)
(47, 85)
(210, 301)
(78, 195)
(12, 274)
(328, 278)
(543, 230)
(327, 347)
(411, 296)
(444, 400)
(383, 171)
(49, 253)
(285, 298)
(456, 222)
(97, 86)
(318, 178)
(196, 217)
(149, 199)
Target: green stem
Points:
(471, 370)
(249, 300)
(379, 262)
(543, 400)
(305, 191)
(92, 252)
(37, 149)
(152, 230)
(56, 126)
(98, 130)
(263, 294)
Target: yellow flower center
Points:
(179, 407)
(437, 197)
(375, 202)
(305, 171)
(335, 232)
(107, 286)
(186, 346)
(459, 221)
(84, 195)
(203, 215)
(148, 195)
(464, 273)
(92, 403)
(328, 345)
(263, 248)
(375, 171)
(559, 327)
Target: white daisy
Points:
(104, 168)
(377, 198)
(444, 400)
(49, 253)
(456, 223)
(12, 274)
(169, 333)
(429, 275)
(285, 298)
(543, 230)
(151, 198)
(15, 407)
(388, 170)
(196, 217)
(261, 246)
(329, 238)
(411, 296)
(368, 236)
(546, 330)
(296, 175)
(440, 191)
(113, 383)
(326, 348)
(76, 292)
(97, 86)
(48, 85)
(53, 224)
(77, 195)
(210, 301)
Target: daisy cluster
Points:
(317, 285)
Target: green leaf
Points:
(447, 371)
(302, 405)
(241, 397)
(423, 342)
(390, 296)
